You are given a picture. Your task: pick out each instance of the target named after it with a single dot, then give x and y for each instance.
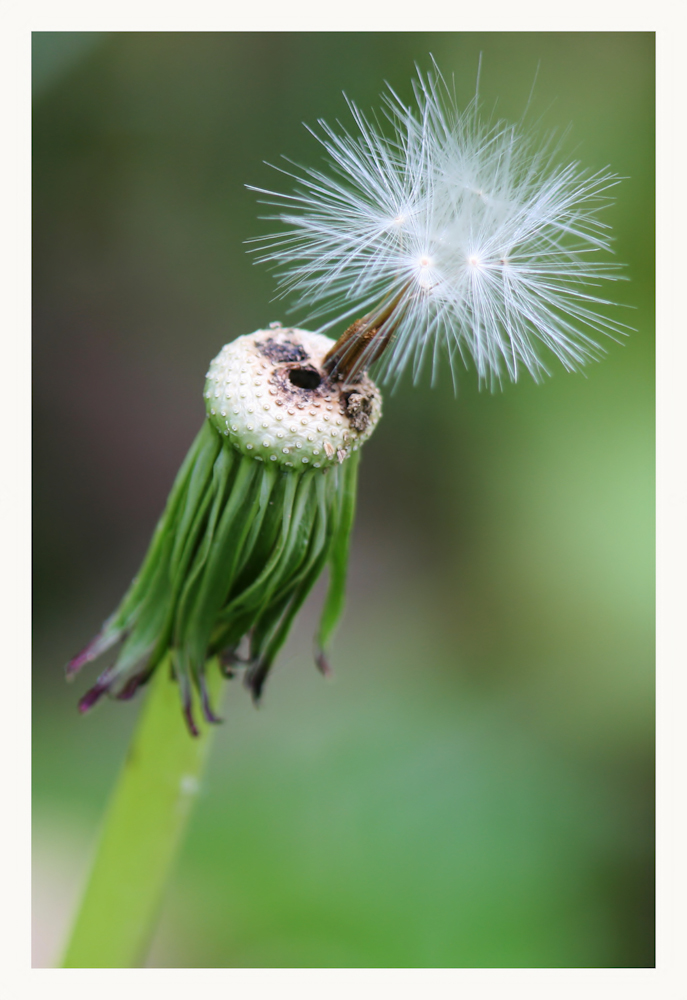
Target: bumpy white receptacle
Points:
(269, 395)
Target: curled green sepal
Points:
(338, 563)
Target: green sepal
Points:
(169, 532)
(338, 560)
(219, 566)
(272, 631)
(148, 610)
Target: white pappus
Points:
(464, 236)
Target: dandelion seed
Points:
(449, 236)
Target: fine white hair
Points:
(477, 238)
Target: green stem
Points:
(142, 832)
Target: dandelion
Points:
(447, 236)
(453, 237)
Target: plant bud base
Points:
(264, 500)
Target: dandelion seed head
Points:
(286, 355)
(479, 238)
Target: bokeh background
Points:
(475, 788)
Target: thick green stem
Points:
(142, 832)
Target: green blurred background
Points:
(475, 788)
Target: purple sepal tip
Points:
(94, 695)
(255, 679)
(205, 702)
(190, 721)
(99, 644)
(132, 686)
(322, 663)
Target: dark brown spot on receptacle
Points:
(358, 409)
(279, 352)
